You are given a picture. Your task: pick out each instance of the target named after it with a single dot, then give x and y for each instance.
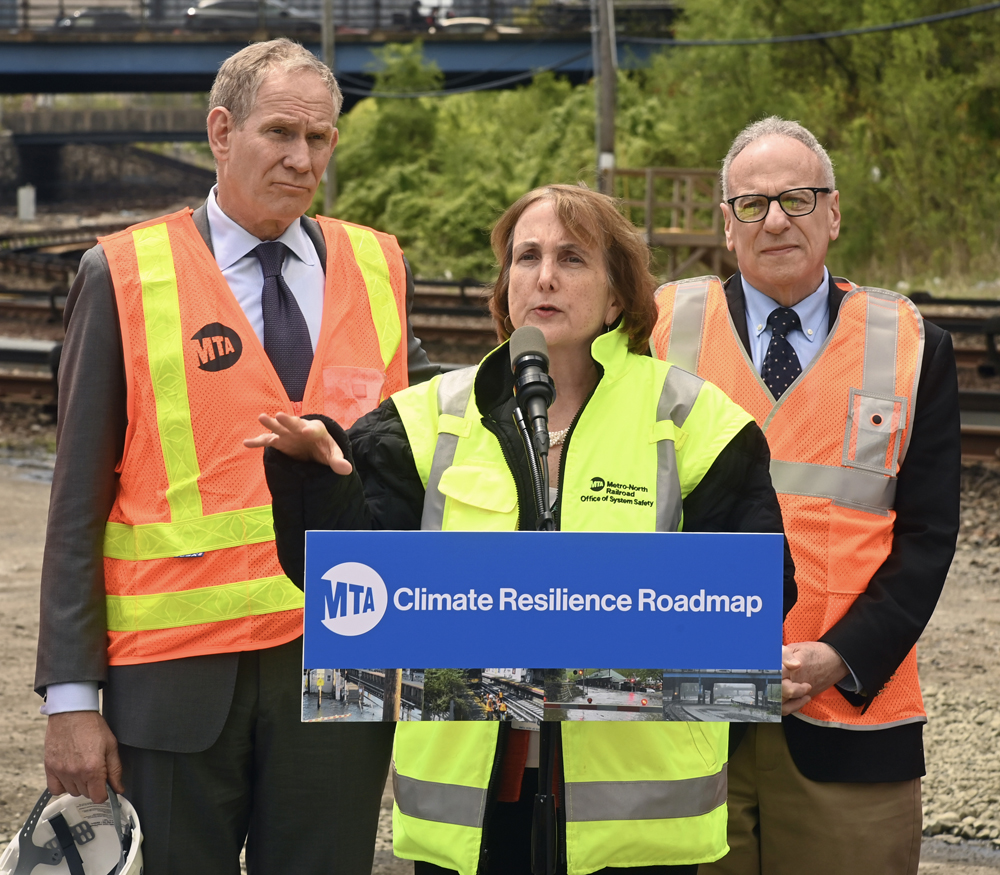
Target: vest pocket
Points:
(874, 428)
(349, 393)
(481, 496)
(858, 543)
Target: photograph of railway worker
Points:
(178, 333)
(572, 265)
(858, 398)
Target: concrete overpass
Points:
(149, 61)
(46, 127)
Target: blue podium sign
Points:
(705, 608)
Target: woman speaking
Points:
(449, 454)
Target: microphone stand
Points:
(538, 463)
(544, 826)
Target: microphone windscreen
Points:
(528, 340)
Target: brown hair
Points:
(595, 220)
(241, 75)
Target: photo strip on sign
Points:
(706, 608)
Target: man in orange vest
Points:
(857, 396)
(161, 583)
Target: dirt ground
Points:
(959, 662)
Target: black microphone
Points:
(535, 391)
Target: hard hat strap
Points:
(65, 837)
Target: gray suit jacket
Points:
(178, 705)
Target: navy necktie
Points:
(286, 335)
(781, 363)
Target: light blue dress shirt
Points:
(814, 316)
(233, 246)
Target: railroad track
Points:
(519, 709)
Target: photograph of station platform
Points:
(533, 695)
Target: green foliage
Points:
(442, 686)
(911, 119)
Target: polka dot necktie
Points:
(781, 363)
(286, 335)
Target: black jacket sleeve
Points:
(885, 621)
(736, 495)
(307, 496)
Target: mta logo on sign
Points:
(357, 599)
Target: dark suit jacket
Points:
(178, 705)
(887, 619)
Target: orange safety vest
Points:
(189, 557)
(838, 436)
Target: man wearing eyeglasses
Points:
(858, 398)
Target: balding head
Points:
(775, 126)
(782, 256)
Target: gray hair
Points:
(774, 126)
(241, 75)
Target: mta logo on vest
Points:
(357, 600)
(217, 346)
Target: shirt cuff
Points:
(74, 696)
(850, 684)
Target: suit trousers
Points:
(781, 823)
(304, 796)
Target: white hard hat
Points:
(70, 835)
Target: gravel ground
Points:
(959, 661)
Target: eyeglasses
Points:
(796, 202)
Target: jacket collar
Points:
(495, 381)
(310, 226)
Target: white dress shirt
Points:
(233, 246)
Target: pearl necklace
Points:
(557, 437)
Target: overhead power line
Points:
(676, 43)
(482, 86)
(807, 37)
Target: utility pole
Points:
(606, 91)
(329, 58)
(392, 694)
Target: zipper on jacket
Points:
(492, 790)
(565, 450)
(560, 778)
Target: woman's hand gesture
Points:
(304, 439)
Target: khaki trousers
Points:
(781, 823)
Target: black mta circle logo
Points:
(217, 346)
(596, 484)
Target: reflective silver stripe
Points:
(679, 393)
(442, 803)
(454, 391)
(677, 397)
(644, 800)
(916, 373)
(668, 488)
(881, 341)
(849, 486)
(684, 345)
(832, 724)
